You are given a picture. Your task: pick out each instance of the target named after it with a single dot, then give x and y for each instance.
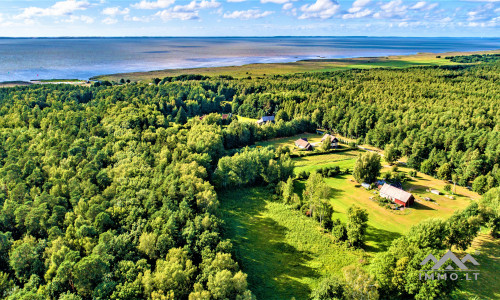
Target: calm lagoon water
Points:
(82, 58)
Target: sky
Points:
(40, 18)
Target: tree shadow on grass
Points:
(380, 239)
(273, 266)
(419, 206)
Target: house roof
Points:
(395, 193)
(266, 119)
(331, 137)
(302, 143)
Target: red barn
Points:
(397, 195)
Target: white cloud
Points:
(195, 6)
(187, 12)
(358, 5)
(236, 0)
(114, 11)
(322, 9)
(61, 8)
(419, 5)
(423, 5)
(392, 9)
(287, 6)
(483, 13)
(481, 0)
(85, 19)
(247, 14)
(275, 1)
(167, 15)
(153, 4)
(109, 21)
(360, 14)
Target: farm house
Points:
(265, 120)
(302, 143)
(334, 141)
(399, 196)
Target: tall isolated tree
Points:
(367, 167)
(316, 194)
(356, 225)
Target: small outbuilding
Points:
(265, 119)
(334, 142)
(399, 196)
(302, 143)
(436, 192)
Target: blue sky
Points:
(475, 18)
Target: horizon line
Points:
(244, 36)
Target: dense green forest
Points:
(110, 191)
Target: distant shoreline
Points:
(424, 58)
(263, 69)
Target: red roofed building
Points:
(399, 196)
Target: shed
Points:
(436, 192)
(399, 196)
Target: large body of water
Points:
(82, 58)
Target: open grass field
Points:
(318, 65)
(282, 251)
(486, 250)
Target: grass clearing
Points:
(282, 251)
(289, 141)
(489, 260)
(245, 119)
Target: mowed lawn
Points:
(384, 225)
(283, 252)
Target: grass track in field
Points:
(282, 251)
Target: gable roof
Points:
(331, 137)
(266, 119)
(302, 143)
(395, 193)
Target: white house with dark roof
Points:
(265, 120)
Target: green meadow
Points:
(283, 252)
